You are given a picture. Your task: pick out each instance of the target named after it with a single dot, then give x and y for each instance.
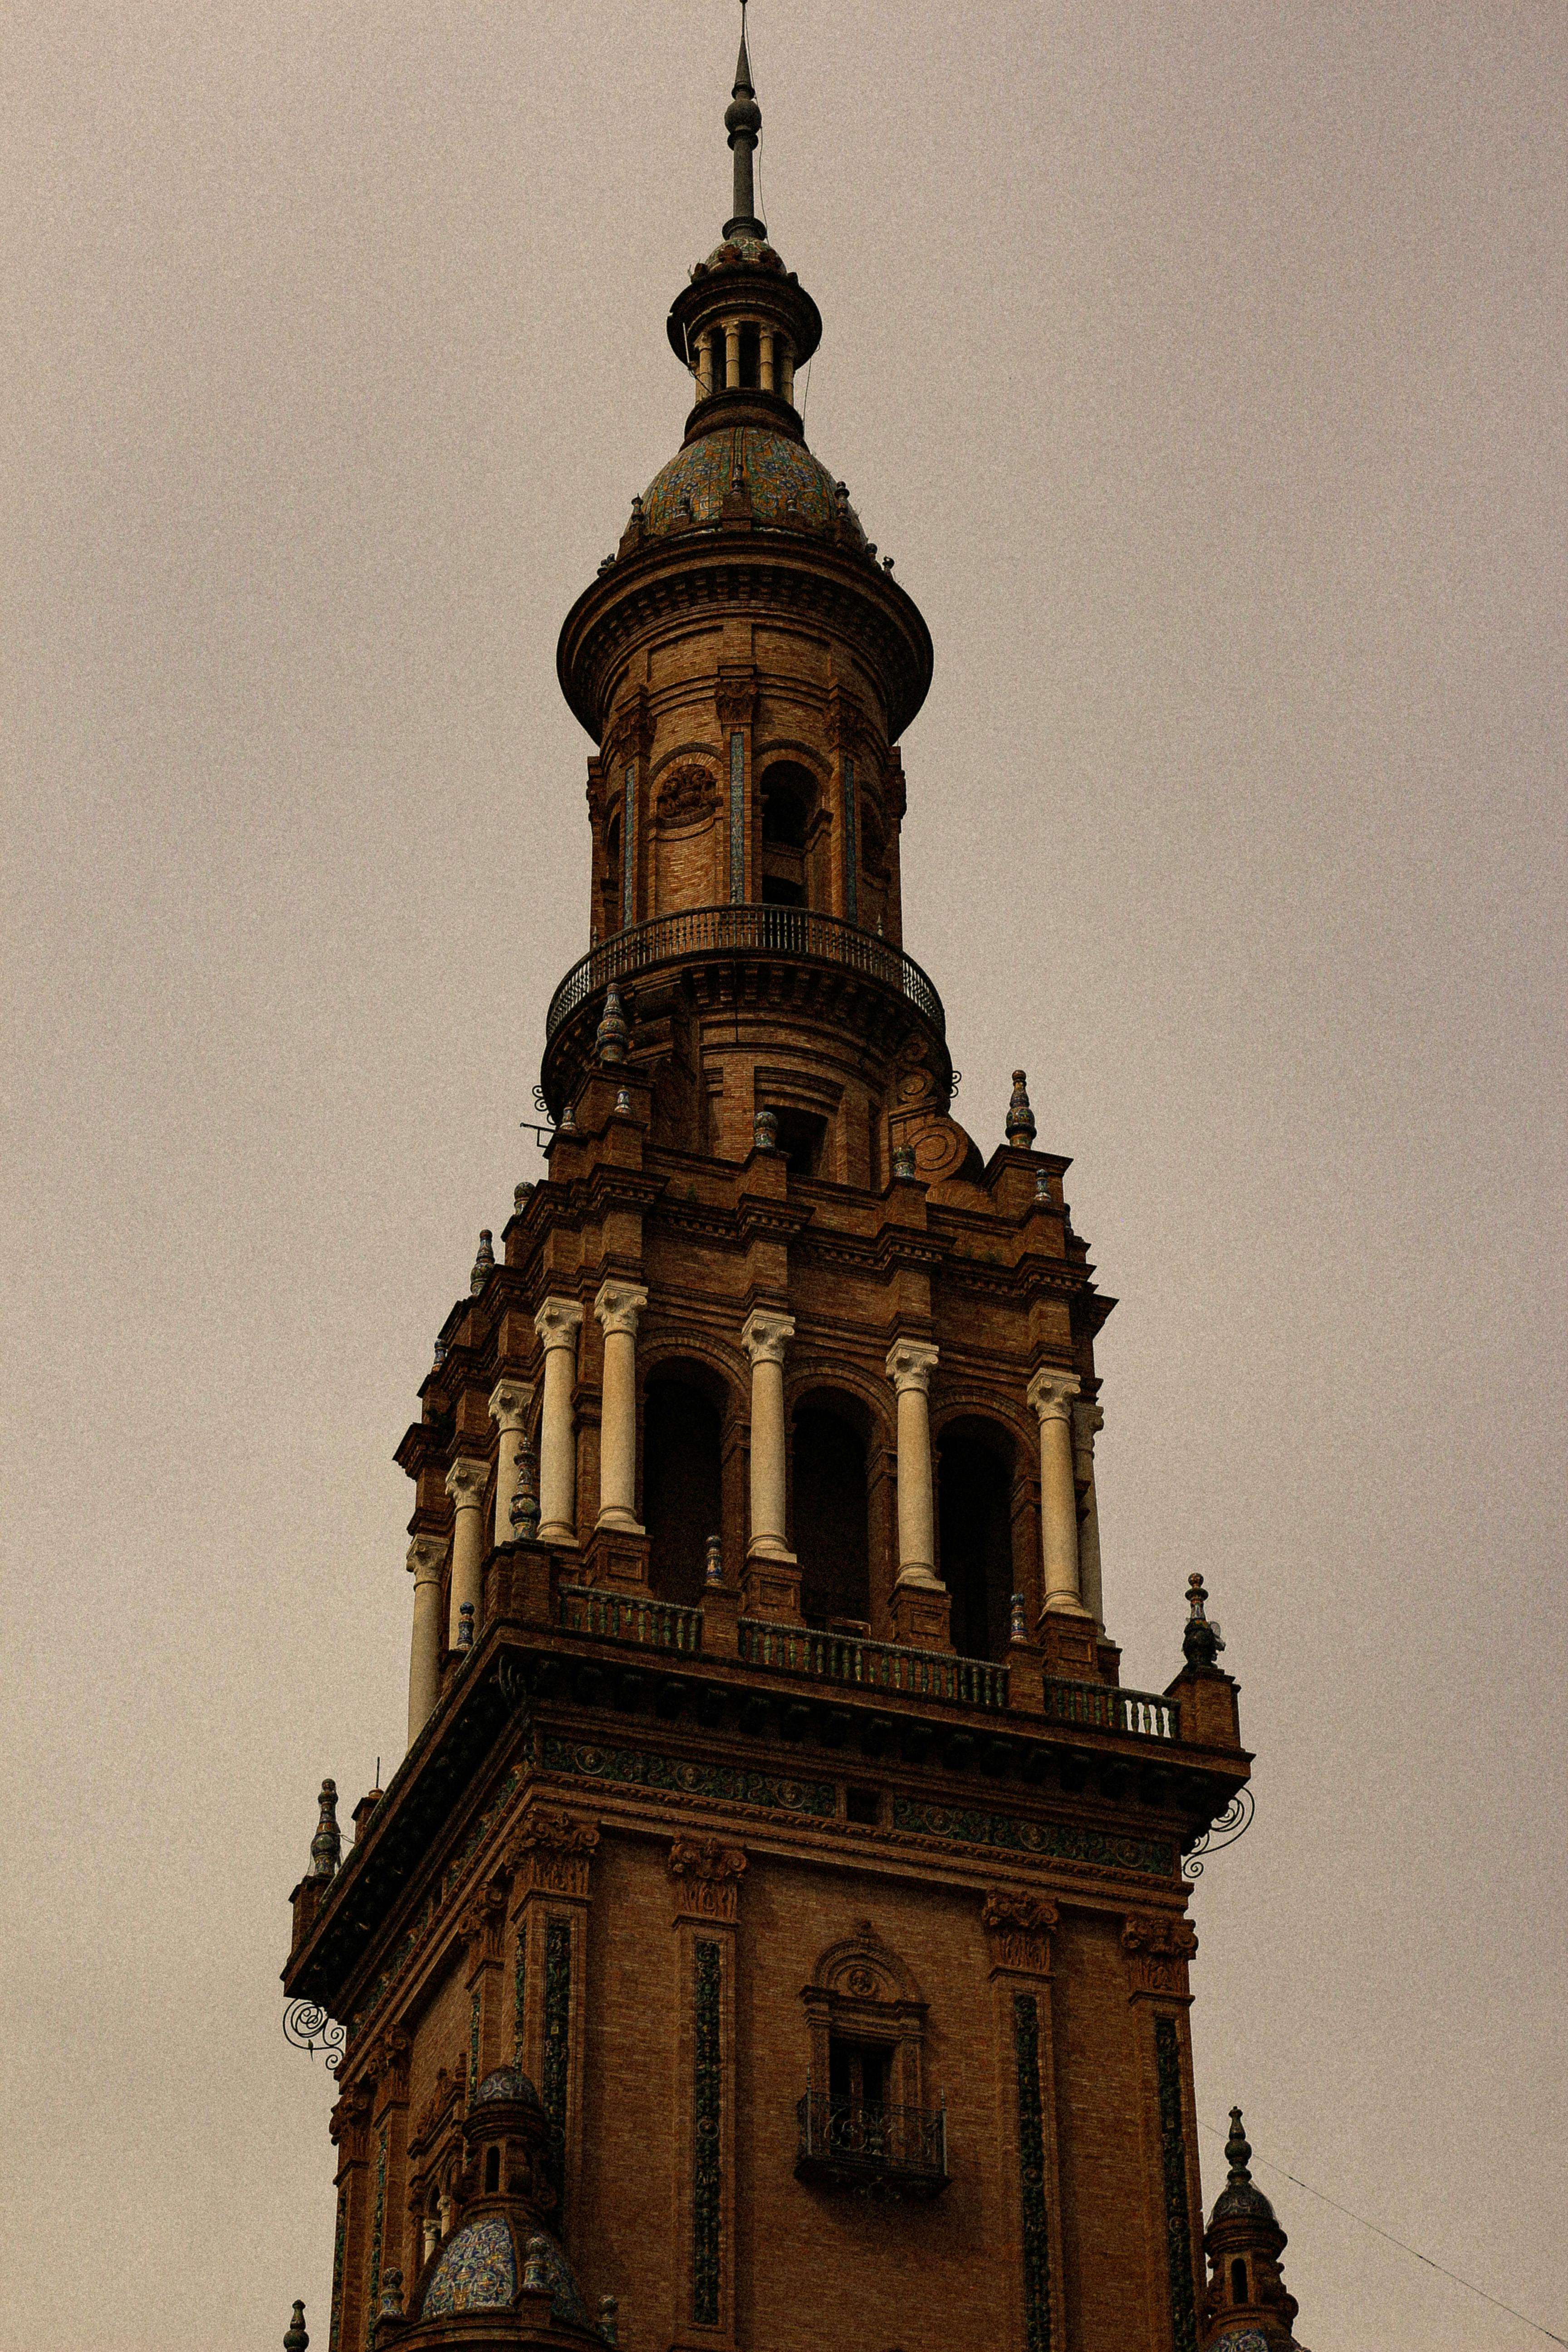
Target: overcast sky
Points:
(1201, 367)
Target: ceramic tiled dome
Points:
(788, 486)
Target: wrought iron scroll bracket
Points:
(1234, 1822)
(307, 2026)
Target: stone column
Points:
(910, 1363)
(786, 373)
(1088, 1421)
(732, 354)
(427, 1555)
(557, 1323)
(1051, 1394)
(619, 1306)
(705, 361)
(510, 1403)
(764, 1336)
(466, 1483)
(765, 359)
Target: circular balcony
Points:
(708, 933)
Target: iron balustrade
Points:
(862, 2141)
(1105, 1706)
(623, 1617)
(875, 1666)
(741, 930)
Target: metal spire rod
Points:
(743, 120)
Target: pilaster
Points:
(1019, 1931)
(706, 1876)
(550, 1857)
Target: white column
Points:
(705, 361)
(466, 1483)
(786, 372)
(732, 354)
(1088, 1421)
(510, 1403)
(765, 359)
(619, 1306)
(764, 1336)
(1051, 1394)
(426, 1557)
(910, 1363)
(557, 1323)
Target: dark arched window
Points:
(976, 1522)
(1239, 2282)
(789, 795)
(680, 1481)
(829, 1519)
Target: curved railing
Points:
(723, 931)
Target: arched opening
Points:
(681, 1482)
(829, 1517)
(751, 355)
(789, 797)
(1238, 2280)
(492, 2170)
(974, 1489)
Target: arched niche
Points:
(976, 1470)
(789, 795)
(829, 1514)
(683, 1413)
(866, 2021)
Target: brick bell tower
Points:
(775, 1939)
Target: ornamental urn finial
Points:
(536, 2267)
(1020, 1117)
(714, 1571)
(614, 1032)
(327, 1846)
(608, 2306)
(525, 1501)
(1238, 2150)
(466, 1625)
(295, 2338)
(1201, 1638)
(484, 1263)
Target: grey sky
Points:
(1201, 369)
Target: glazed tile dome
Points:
(507, 2082)
(480, 2268)
(789, 487)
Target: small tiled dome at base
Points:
(1243, 2200)
(476, 2270)
(1244, 2339)
(480, 2268)
(507, 2082)
(787, 484)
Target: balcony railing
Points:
(620, 1617)
(875, 1666)
(863, 2143)
(741, 930)
(1103, 1706)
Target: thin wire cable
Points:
(1468, 2284)
(805, 396)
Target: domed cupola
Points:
(743, 324)
(1246, 2308)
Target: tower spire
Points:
(743, 120)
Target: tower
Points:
(774, 1936)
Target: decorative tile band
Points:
(851, 862)
(1032, 2174)
(708, 2158)
(1174, 2154)
(557, 2050)
(1060, 1841)
(473, 2045)
(737, 817)
(629, 853)
(336, 2326)
(633, 1767)
(520, 1992)
(373, 2301)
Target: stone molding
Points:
(552, 1854)
(1018, 1930)
(707, 1874)
(1159, 1944)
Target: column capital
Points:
(558, 1322)
(618, 1306)
(1088, 1421)
(910, 1363)
(510, 1400)
(426, 1557)
(466, 1480)
(765, 1334)
(1051, 1394)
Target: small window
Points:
(1239, 2282)
(858, 2073)
(492, 2170)
(802, 1137)
(862, 1805)
(750, 357)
